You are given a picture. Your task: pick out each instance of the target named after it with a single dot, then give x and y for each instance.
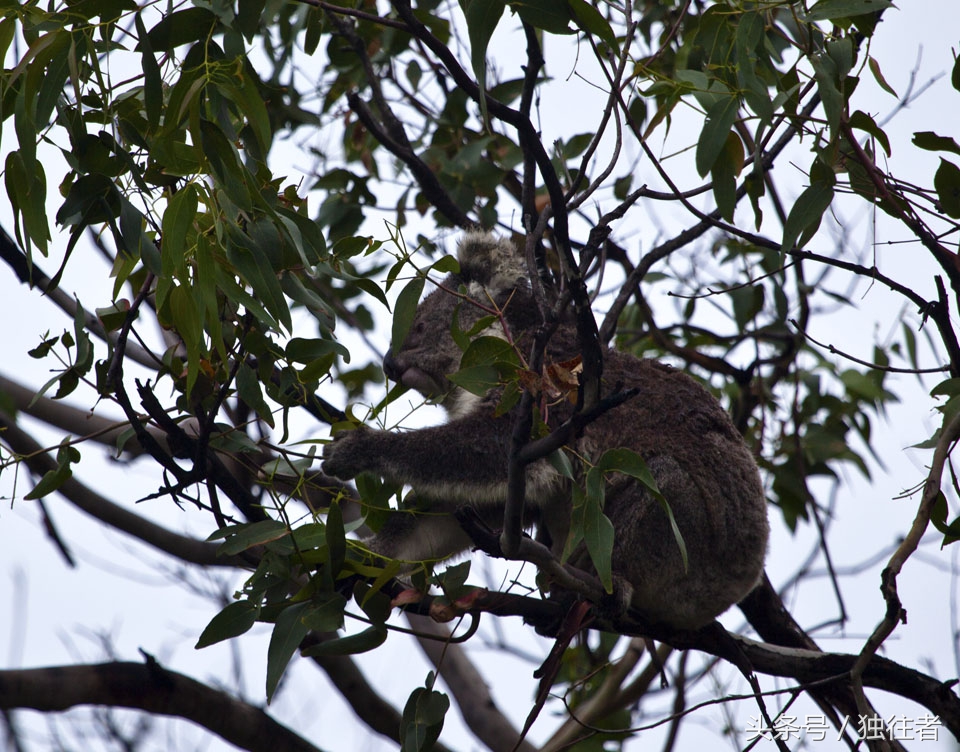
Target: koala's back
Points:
(707, 476)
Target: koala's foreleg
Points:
(461, 462)
(464, 461)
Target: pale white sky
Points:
(129, 594)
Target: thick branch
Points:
(148, 687)
(800, 660)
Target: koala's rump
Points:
(710, 482)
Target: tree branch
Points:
(87, 500)
(149, 687)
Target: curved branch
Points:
(797, 658)
(152, 688)
(87, 500)
(895, 613)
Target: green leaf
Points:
(113, 316)
(589, 19)
(551, 16)
(878, 76)
(747, 303)
(178, 218)
(946, 388)
(720, 119)
(53, 479)
(326, 615)
(446, 265)
(152, 77)
(930, 141)
(452, 579)
(43, 349)
(829, 10)
(249, 390)
(806, 214)
(181, 27)
(724, 174)
(92, 199)
(486, 363)
(248, 18)
(630, 463)
(250, 102)
(423, 717)
(825, 73)
(561, 463)
(482, 17)
(938, 516)
(404, 312)
(947, 183)
(256, 270)
(288, 633)
(862, 121)
(489, 350)
(235, 619)
(369, 639)
(477, 380)
(186, 319)
(254, 534)
(27, 190)
(598, 534)
(336, 540)
(302, 350)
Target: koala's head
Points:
(491, 274)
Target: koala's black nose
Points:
(391, 367)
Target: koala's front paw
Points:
(344, 458)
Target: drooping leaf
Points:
(250, 391)
(878, 76)
(551, 16)
(930, 141)
(288, 633)
(336, 541)
(804, 218)
(589, 19)
(724, 174)
(482, 17)
(404, 311)
(947, 183)
(53, 479)
(254, 534)
(362, 642)
(829, 10)
(423, 717)
(598, 534)
(862, 121)
(181, 27)
(235, 619)
(720, 119)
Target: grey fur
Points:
(700, 462)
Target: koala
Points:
(700, 463)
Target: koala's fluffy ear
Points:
(490, 261)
